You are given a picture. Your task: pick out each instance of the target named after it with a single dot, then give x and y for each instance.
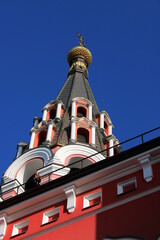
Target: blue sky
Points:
(35, 37)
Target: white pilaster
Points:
(110, 130)
(93, 137)
(44, 115)
(90, 112)
(102, 120)
(32, 140)
(58, 113)
(111, 149)
(73, 131)
(73, 114)
(49, 132)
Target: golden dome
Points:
(81, 52)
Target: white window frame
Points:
(121, 185)
(18, 226)
(48, 214)
(92, 196)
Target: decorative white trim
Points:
(84, 184)
(111, 149)
(48, 214)
(76, 99)
(64, 152)
(18, 226)
(39, 153)
(93, 137)
(128, 182)
(71, 198)
(110, 129)
(92, 196)
(102, 120)
(3, 225)
(58, 112)
(32, 140)
(14, 185)
(96, 211)
(90, 112)
(145, 162)
(52, 168)
(73, 113)
(44, 115)
(49, 132)
(73, 131)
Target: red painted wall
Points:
(129, 214)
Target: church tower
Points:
(71, 129)
(60, 182)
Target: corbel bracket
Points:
(3, 225)
(71, 198)
(145, 162)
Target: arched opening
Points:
(33, 182)
(42, 137)
(28, 170)
(81, 112)
(53, 113)
(83, 135)
(78, 163)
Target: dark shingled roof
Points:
(77, 86)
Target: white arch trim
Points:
(64, 152)
(42, 153)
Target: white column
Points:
(58, 113)
(32, 140)
(73, 130)
(90, 112)
(110, 130)
(93, 137)
(44, 114)
(73, 114)
(102, 120)
(49, 132)
(111, 149)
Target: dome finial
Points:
(79, 52)
(81, 43)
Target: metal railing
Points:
(19, 189)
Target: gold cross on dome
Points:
(81, 43)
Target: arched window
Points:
(78, 163)
(82, 135)
(81, 112)
(42, 137)
(53, 113)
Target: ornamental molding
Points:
(43, 153)
(52, 104)
(84, 184)
(79, 99)
(71, 198)
(145, 162)
(83, 121)
(3, 225)
(65, 152)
